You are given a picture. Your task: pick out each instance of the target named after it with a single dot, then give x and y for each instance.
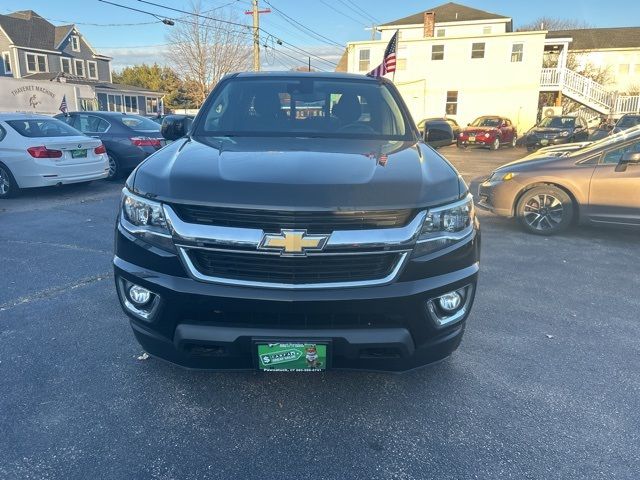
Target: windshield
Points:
(628, 122)
(633, 132)
(558, 122)
(486, 122)
(304, 107)
(136, 122)
(43, 127)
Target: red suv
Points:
(490, 131)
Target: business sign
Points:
(22, 95)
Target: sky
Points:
(132, 37)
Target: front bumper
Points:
(499, 196)
(480, 141)
(387, 327)
(534, 142)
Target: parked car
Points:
(597, 184)
(128, 138)
(264, 240)
(625, 122)
(455, 128)
(488, 131)
(566, 147)
(39, 151)
(557, 130)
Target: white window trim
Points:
(62, 60)
(75, 67)
(512, 52)
(77, 42)
(443, 49)
(124, 104)
(440, 29)
(46, 62)
(484, 51)
(8, 56)
(95, 64)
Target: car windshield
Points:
(628, 122)
(303, 107)
(136, 122)
(558, 122)
(486, 122)
(43, 127)
(631, 133)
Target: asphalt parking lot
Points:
(545, 385)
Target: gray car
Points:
(547, 192)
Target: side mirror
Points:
(175, 126)
(438, 134)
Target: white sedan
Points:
(38, 151)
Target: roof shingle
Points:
(598, 38)
(448, 12)
(28, 29)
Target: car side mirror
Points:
(175, 126)
(438, 135)
(628, 158)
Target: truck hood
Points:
(298, 173)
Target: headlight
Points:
(564, 133)
(145, 219)
(487, 135)
(501, 176)
(444, 226)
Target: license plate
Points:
(79, 153)
(544, 141)
(472, 139)
(292, 357)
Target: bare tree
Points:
(205, 49)
(553, 24)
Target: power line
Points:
(359, 22)
(304, 28)
(356, 8)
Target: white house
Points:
(461, 62)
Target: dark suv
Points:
(557, 130)
(300, 224)
(128, 138)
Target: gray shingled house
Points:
(33, 49)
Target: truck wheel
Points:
(8, 185)
(545, 210)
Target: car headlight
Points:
(487, 135)
(501, 176)
(145, 219)
(445, 226)
(564, 133)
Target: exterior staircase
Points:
(588, 92)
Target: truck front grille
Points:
(275, 220)
(312, 269)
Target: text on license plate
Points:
(81, 153)
(472, 139)
(294, 357)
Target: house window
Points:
(437, 52)
(131, 104)
(363, 64)
(89, 105)
(65, 65)
(440, 32)
(92, 69)
(36, 63)
(477, 50)
(486, 30)
(516, 52)
(79, 64)
(623, 68)
(152, 105)
(451, 106)
(75, 43)
(6, 60)
(114, 103)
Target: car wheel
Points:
(496, 144)
(514, 141)
(461, 145)
(8, 186)
(545, 210)
(114, 167)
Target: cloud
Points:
(127, 57)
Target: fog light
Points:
(450, 302)
(139, 295)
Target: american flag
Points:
(63, 104)
(388, 64)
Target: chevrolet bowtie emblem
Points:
(293, 242)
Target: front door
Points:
(614, 193)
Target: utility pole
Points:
(256, 32)
(374, 30)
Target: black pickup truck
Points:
(300, 224)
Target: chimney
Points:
(429, 24)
